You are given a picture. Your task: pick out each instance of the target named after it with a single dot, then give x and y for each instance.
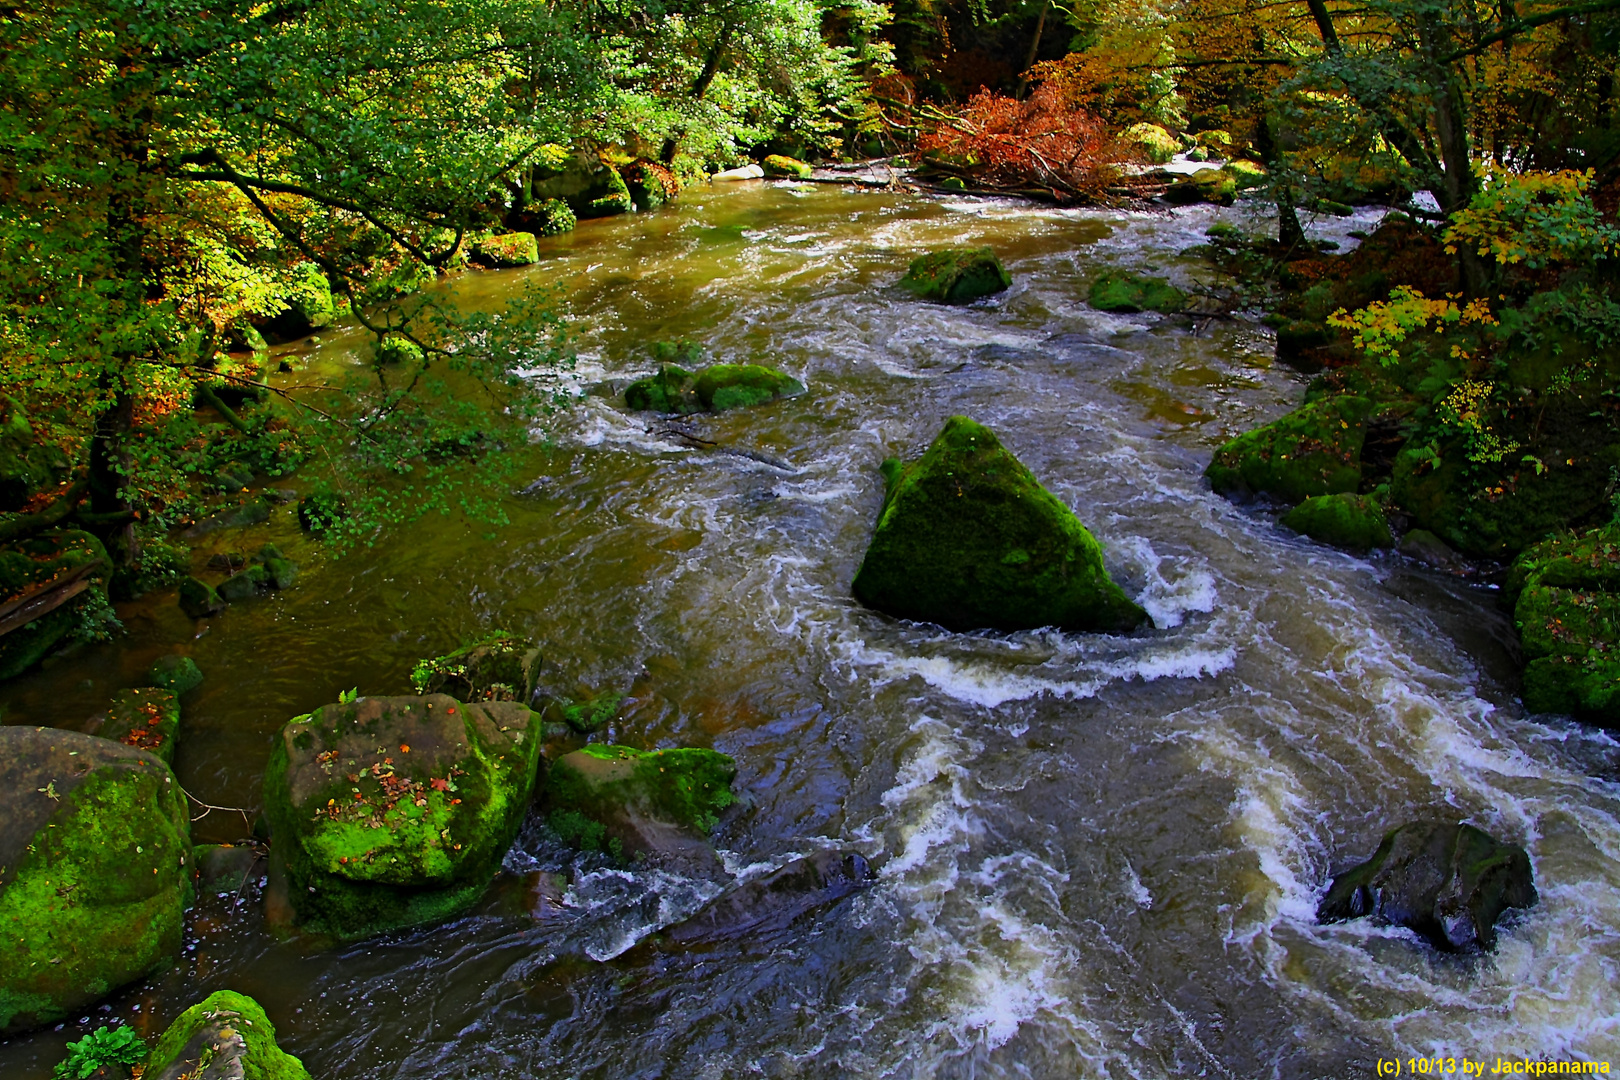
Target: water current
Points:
(1097, 856)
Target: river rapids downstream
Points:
(1096, 856)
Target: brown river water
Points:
(1096, 856)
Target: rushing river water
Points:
(1097, 856)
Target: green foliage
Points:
(103, 1046)
(1534, 218)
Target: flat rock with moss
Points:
(94, 881)
(1314, 450)
(1127, 294)
(1449, 883)
(505, 250)
(147, 718)
(716, 388)
(227, 1036)
(956, 276)
(968, 538)
(393, 811)
(661, 802)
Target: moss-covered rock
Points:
(1204, 186)
(553, 217)
(1126, 294)
(247, 583)
(156, 565)
(200, 599)
(279, 571)
(1449, 883)
(611, 197)
(497, 668)
(668, 390)
(648, 801)
(177, 674)
(781, 165)
(31, 569)
(1566, 594)
(714, 389)
(227, 1036)
(1314, 450)
(1355, 522)
(389, 812)
(252, 511)
(1150, 142)
(307, 305)
(650, 184)
(969, 538)
(93, 877)
(956, 276)
(505, 250)
(1246, 174)
(146, 718)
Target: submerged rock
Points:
(199, 599)
(47, 582)
(497, 668)
(969, 538)
(1126, 294)
(716, 388)
(1567, 607)
(177, 674)
(225, 1037)
(659, 802)
(956, 276)
(777, 899)
(93, 877)
(389, 812)
(1355, 522)
(1314, 450)
(146, 718)
(1449, 883)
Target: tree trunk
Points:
(1034, 50)
(1290, 234)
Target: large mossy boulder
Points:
(716, 388)
(499, 667)
(956, 276)
(630, 801)
(1150, 142)
(968, 538)
(306, 305)
(784, 167)
(1566, 594)
(226, 1036)
(505, 250)
(1314, 450)
(1204, 186)
(146, 718)
(1449, 883)
(1353, 522)
(393, 811)
(55, 577)
(93, 877)
(1127, 294)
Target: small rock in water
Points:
(1354, 522)
(177, 674)
(778, 898)
(1449, 883)
(956, 275)
(199, 599)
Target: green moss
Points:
(34, 563)
(95, 897)
(615, 200)
(1204, 186)
(687, 788)
(375, 836)
(553, 218)
(1247, 174)
(506, 249)
(956, 276)
(1127, 294)
(146, 718)
(1152, 142)
(499, 667)
(1344, 520)
(1314, 450)
(398, 349)
(667, 391)
(784, 166)
(226, 1022)
(584, 716)
(735, 386)
(941, 546)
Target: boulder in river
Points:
(775, 900)
(46, 584)
(956, 275)
(658, 802)
(93, 876)
(505, 250)
(716, 388)
(199, 599)
(393, 811)
(227, 1036)
(306, 305)
(1126, 294)
(497, 668)
(177, 674)
(1150, 142)
(1449, 883)
(1314, 450)
(146, 718)
(781, 165)
(1354, 522)
(1567, 606)
(968, 538)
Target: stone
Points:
(505, 250)
(1247, 174)
(583, 716)
(94, 881)
(742, 172)
(146, 718)
(177, 674)
(780, 165)
(307, 305)
(1354, 522)
(1314, 450)
(200, 599)
(968, 538)
(227, 1036)
(650, 184)
(496, 668)
(1150, 142)
(251, 581)
(56, 575)
(279, 571)
(1204, 186)
(390, 812)
(668, 390)
(777, 899)
(716, 388)
(1448, 883)
(255, 511)
(655, 803)
(614, 198)
(1127, 294)
(1423, 546)
(956, 275)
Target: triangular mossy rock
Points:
(969, 538)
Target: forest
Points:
(548, 362)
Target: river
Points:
(1097, 856)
